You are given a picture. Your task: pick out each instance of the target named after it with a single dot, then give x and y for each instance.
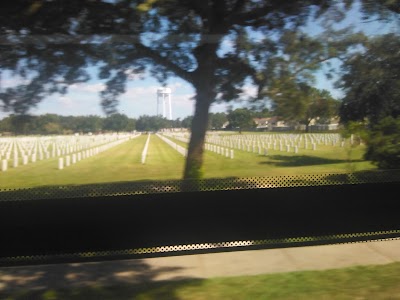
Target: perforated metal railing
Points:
(203, 248)
(214, 184)
(174, 186)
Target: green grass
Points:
(363, 282)
(123, 163)
(326, 159)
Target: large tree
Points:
(217, 120)
(117, 122)
(371, 81)
(50, 44)
(241, 119)
(300, 103)
(152, 123)
(384, 143)
(288, 79)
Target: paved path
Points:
(236, 263)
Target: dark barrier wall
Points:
(53, 230)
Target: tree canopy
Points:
(241, 119)
(371, 81)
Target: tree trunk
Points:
(194, 159)
(205, 84)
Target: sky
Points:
(141, 95)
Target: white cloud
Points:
(14, 81)
(226, 46)
(249, 91)
(66, 101)
(139, 101)
(87, 87)
(138, 93)
(132, 75)
(71, 104)
(183, 99)
(218, 107)
(176, 86)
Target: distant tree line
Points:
(48, 124)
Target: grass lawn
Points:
(120, 163)
(123, 163)
(327, 159)
(362, 282)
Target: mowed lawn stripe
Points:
(164, 161)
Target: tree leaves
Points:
(371, 81)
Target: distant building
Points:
(270, 124)
(332, 124)
(277, 124)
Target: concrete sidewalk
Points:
(198, 266)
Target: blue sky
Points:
(141, 97)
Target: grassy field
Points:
(120, 163)
(327, 159)
(123, 163)
(363, 282)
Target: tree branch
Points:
(254, 15)
(238, 6)
(158, 59)
(307, 66)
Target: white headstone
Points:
(60, 163)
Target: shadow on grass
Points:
(125, 188)
(357, 282)
(105, 280)
(90, 190)
(122, 188)
(301, 160)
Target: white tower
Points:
(164, 96)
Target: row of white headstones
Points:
(244, 142)
(68, 149)
(223, 151)
(261, 143)
(179, 148)
(73, 149)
